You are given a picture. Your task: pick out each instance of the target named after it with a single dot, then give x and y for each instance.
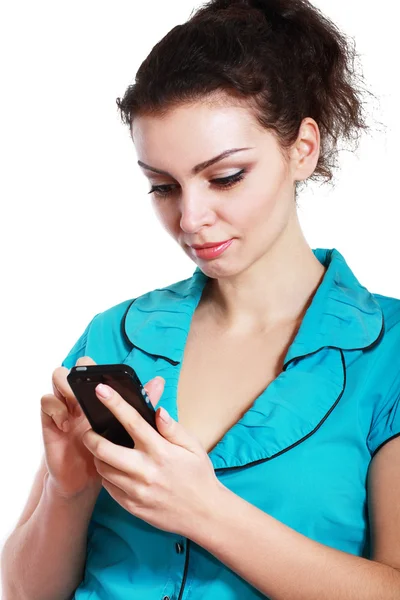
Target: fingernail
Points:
(158, 381)
(164, 416)
(103, 391)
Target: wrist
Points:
(90, 492)
(213, 511)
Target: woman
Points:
(280, 478)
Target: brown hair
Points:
(282, 57)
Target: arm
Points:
(286, 565)
(44, 558)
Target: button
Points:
(179, 548)
(166, 598)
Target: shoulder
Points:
(114, 316)
(378, 381)
(141, 322)
(383, 366)
(390, 338)
(391, 312)
(112, 321)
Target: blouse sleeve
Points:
(386, 419)
(78, 349)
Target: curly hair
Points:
(283, 58)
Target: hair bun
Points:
(275, 11)
(285, 57)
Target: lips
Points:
(209, 245)
(213, 252)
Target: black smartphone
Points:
(123, 379)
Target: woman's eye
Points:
(162, 191)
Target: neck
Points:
(276, 290)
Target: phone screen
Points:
(123, 379)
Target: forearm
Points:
(282, 563)
(44, 558)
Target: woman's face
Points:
(254, 208)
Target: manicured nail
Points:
(164, 416)
(103, 391)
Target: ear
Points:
(305, 151)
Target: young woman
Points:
(277, 471)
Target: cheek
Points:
(251, 210)
(264, 211)
(272, 206)
(263, 199)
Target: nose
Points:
(196, 212)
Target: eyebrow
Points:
(197, 168)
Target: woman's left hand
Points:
(167, 479)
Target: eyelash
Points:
(228, 183)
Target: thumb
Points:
(175, 433)
(84, 361)
(154, 389)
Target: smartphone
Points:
(123, 379)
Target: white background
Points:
(78, 234)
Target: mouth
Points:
(209, 245)
(211, 252)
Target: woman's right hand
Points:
(70, 464)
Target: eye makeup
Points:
(222, 183)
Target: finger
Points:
(53, 410)
(155, 389)
(84, 361)
(112, 457)
(62, 390)
(138, 428)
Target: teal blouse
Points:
(300, 453)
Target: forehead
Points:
(194, 132)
